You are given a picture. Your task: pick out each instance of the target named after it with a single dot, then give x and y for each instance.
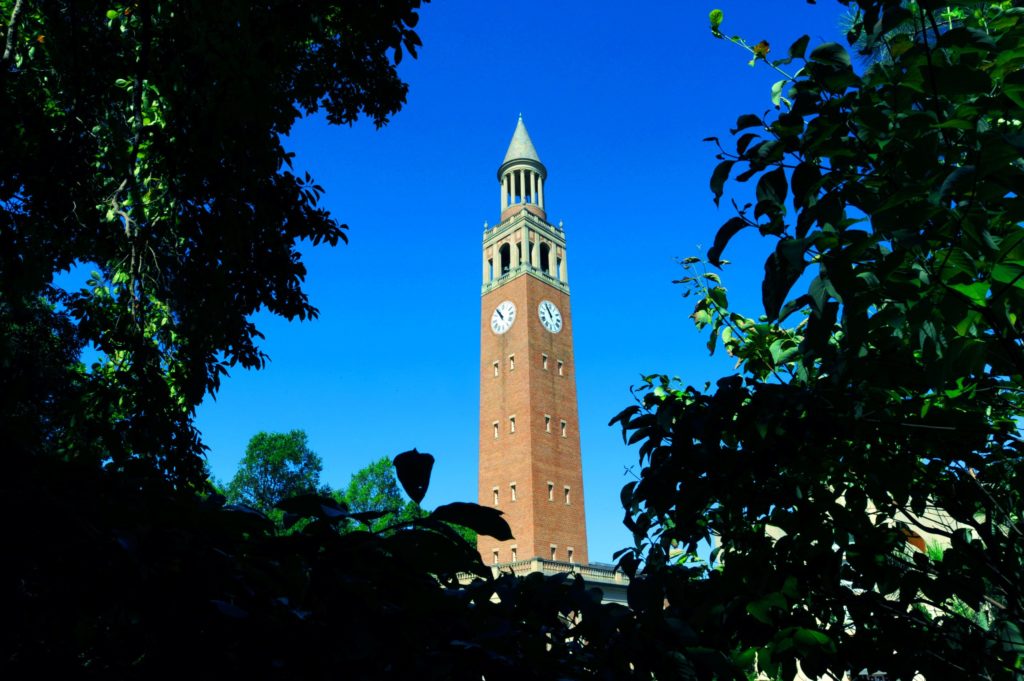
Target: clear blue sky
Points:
(617, 99)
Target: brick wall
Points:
(532, 456)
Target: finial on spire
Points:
(521, 146)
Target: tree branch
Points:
(9, 45)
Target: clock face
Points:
(504, 315)
(549, 315)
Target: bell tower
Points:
(530, 466)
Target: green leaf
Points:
(761, 608)
(799, 48)
(1011, 273)
(747, 121)
(1010, 636)
(811, 638)
(777, 92)
(804, 180)
(718, 178)
(481, 519)
(715, 17)
(794, 305)
(832, 54)
(975, 292)
(744, 141)
(413, 469)
(726, 232)
(956, 181)
(772, 187)
(779, 277)
(783, 351)
(955, 124)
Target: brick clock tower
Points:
(530, 466)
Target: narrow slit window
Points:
(515, 553)
(554, 552)
(495, 491)
(495, 424)
(512, 490)
(511, 424)
(544, 362)
(561, 368)
(497, 365)
(563, 428)
(551, 491)
(547, 423)
(566, 491)
(568, 551)
(494, 556)
(511, 362)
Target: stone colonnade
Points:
(522, 185)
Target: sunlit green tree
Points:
(276, 466)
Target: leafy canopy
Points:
(878, 396)
(276, 466)
(143, 141)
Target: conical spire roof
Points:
(521, 147)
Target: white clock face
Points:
(549, 315)
(504, 315)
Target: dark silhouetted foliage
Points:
(879, 396)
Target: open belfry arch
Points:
(530, 462)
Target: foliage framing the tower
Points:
(882, 387)
(143, 140)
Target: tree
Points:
(893, 197)
(144, 141)
(276, 466)
(374, 489)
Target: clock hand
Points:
(500, 315)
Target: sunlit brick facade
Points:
(530, 466)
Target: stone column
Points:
(552, 257)
(535, 252)
(564, 274)
(533, 187)
(540, 191)
(487, 272)
(526, 243)
(513, 253)
(522, 186)
(503, 200)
